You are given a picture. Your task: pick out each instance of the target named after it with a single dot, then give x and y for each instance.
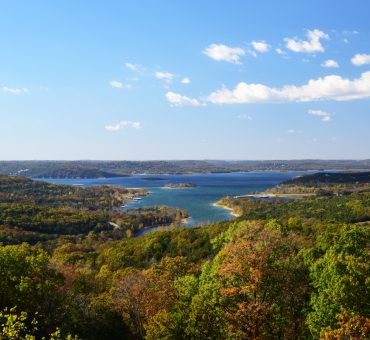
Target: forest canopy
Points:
(285, 269)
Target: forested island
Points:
(284, 269)
(180, 185)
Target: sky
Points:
(165, 79)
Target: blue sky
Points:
(184, 79)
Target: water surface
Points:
(197, 201)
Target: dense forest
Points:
(24, 190)
(284, 269)
(326, 183)
(320, 178)
(106, 169)
(35, 211)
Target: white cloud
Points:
(164, 75)
(135, 67)
(115, 83)
(330, 63)
(186, 81)
(361, 59)
(123, 124)
(14, 90)
(312, 45)
(260, 46)
(291, 131)
(179, 100)
(324, 116)
(221, 52)
(280, 51)
(332, 87)
(119, 85)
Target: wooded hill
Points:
(294, 269)
(331, 178)
(36, 211)
(326, 183)
(96, 169)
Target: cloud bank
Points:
(332, 87)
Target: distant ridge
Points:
(107, 169)
(331, 177)
(76, 173)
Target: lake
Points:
(197, 201)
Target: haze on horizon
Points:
(235, 80)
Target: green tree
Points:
(27, 281)
(341, 278)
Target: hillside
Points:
(331, 178)
(36, 211)
(284, 269)
(324, 184)
(76, 173)
(96, 169)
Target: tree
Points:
(340, 277)
(264, 284)
(27, 281)
(17, 325)
(349, 326)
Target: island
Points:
(180, 185)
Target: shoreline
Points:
(271, 195)
(169, 188)
(232, 211)
(185, 220)
(190, 173)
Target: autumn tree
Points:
(264, 282)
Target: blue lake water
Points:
(197, 201)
